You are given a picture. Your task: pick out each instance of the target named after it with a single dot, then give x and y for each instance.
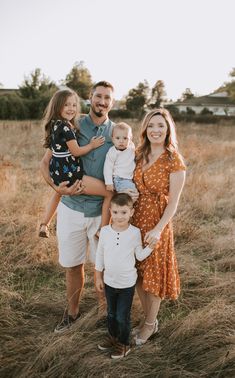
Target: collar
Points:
(91, 123)
(119, 149)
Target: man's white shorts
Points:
(73, 233)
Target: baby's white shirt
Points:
(119, 163)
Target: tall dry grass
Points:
(196, 336)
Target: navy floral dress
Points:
(63, 165)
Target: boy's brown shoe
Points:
(108, 343)
(120, 351)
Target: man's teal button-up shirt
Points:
(93, 164)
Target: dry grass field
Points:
(196, 336)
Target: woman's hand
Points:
(96, 142)
(152, 237)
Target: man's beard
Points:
(98, 114)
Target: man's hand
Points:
(99, 283)
(74, 189)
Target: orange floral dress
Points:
(159, 271)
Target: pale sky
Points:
(185, 43)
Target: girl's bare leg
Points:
(51, 208)
(96, 187)
(48, 214)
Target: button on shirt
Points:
(116, 255)
(93, 164)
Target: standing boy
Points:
(119, 244)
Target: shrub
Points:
(190, 111)
(13, 107)
(206, 111)
(121, 113)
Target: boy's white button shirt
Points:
(119, 163)
(116, 255)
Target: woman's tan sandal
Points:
(138, 341)
(44, 231)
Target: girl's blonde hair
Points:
(171, 143)
(53, 112)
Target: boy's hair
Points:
(122, 126)
(122, 199)
(102, 83)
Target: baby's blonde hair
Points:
(122, 126)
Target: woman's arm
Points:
(76, 150)
(177, 180)
(62, 189)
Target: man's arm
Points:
(62, 189)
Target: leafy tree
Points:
(35, 85)
(13, 106)
(158, 94)
(187, 94)
(79, 79)
(137, 98)
(173, 109)
(229, 87)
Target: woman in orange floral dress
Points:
(159, 177)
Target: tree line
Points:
(30, 100)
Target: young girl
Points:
(65, 165)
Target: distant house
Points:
(217, 103)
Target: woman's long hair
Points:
(53, 112)
(144, 147)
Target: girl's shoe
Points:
(44, 231)
(139, 341)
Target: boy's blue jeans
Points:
(119, 302)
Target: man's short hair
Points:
(122, 199)
(103, 83)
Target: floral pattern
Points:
(159, 271)
(66, 168)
